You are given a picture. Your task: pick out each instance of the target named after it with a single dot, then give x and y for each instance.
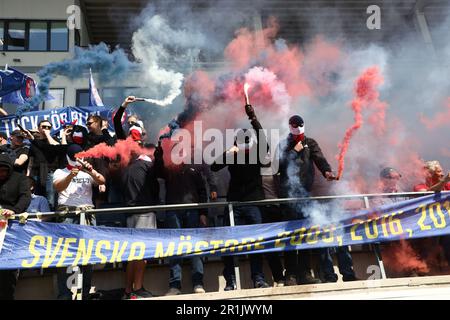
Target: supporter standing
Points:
(245, 185)
(74, 186)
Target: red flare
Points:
(126, 149)
(246, 87)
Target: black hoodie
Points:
(245, 179)
(14, 191)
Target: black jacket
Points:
(46, 157)
(140, 185)
(105, 137)
(117, 120)
(298, 167)
(14, 191)
(14, 154)
(245, 179)
(185, 184)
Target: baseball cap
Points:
(296, 121)
(18, 133)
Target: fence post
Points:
(376, 247)
(235, 258)
(79, 294)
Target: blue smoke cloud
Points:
(109, 65)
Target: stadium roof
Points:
(110, 21)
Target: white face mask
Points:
(297, 131)
(72, 163)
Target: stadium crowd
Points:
(39, 173)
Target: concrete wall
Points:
(39, 10)
(31, 62)
(33, 286)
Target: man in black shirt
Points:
(245, 185)
(140, 188)
(185, 184)
(297, 156)
(47, 155)
(18, 151)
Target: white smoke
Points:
(158, 46)
(280, 96)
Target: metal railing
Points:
(206, 205)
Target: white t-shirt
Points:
(79, 191)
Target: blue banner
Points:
(43, 245)
(30, 120)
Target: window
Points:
(19, 35)
(38, 36)
(82, 99)
(57, 101)
(59, 37)
(16, 36)
(77, 38)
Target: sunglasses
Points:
(46, 127)
(89, 123)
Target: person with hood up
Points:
(245, 185)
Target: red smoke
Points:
(275, 71)
(126, 149)
(365, 94)
(439, 120)
(248, 45)
(401, 257)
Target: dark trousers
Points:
(297, 262)
(242, 216)
(8, 281)
(64, 285)
(273, 214)
(178, 220)
(345, 263)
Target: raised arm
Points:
(120, 133)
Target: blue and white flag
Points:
(94, 97)
(11, 80)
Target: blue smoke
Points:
(109, 65)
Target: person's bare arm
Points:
(30, 166)
(99, 179)
(50, 138)
(62, 184)
(21, 160)
(3, 112)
